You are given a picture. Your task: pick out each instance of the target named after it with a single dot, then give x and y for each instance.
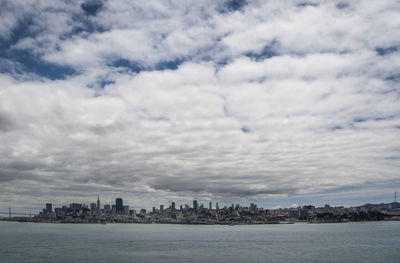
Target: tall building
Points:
(195, 205)
(119, 205)
(173, 207)
(93, 207)
(216, 206)
(49, 208)
(98, 205)
(161, 208)
(125, 210)
(210, 206)
(75, 207)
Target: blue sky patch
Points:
(232, 6)
(267, 52)
(34, 64)
(91, 7)
(245, 129)
(382, 51)
(172, 64)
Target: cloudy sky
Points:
(277, 102)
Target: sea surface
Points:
(346, 242)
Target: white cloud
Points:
(318, 113)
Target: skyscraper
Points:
(98, 203)
(93, 207)
(173, 207)
(125, 210)
(210, 205)
(161, 208)
(107, 208)
(195, 205)
(119, 205)
(49, 208)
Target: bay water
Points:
(345, 242)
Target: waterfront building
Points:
(126, 209)
(119, 205)
(303, 214)
(294, 213)
(75, 207)
(93, 207)
(49, 208)
(114, 209)
(98, 205)
(59, 212)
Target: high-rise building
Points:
(98, 205)
(107, 208)
(216, 206)
(173, 207)
(75, 207)
(210, 205)
(125, 210)
(161, 208)
(253, 207)
(93, 207)
(49, 208)
(59, 212)
(119, 205)
(195, 205)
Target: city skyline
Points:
(198, 213)
(277, 103)
(94, 205)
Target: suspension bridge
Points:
(12, 214)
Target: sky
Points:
(281, 103)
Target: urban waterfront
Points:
(200, 214)
(351, 242)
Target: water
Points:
(350, 242)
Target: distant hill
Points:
(392, 205)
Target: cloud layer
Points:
(161, 101)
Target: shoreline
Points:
(21, 220)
